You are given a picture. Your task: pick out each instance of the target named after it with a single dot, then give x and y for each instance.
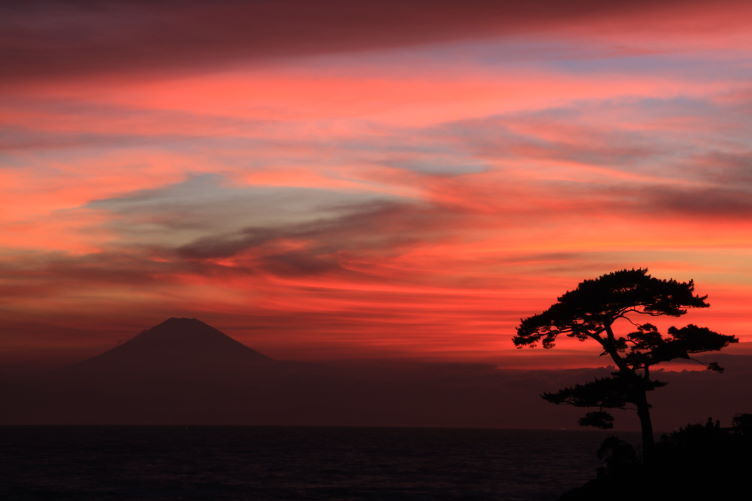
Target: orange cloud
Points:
(410, 196)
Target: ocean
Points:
(281, 463)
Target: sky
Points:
(335, 179)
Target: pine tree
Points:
(597, 310)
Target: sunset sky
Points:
(342, 179)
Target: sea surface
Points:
(279, 463)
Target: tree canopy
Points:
(596, 304)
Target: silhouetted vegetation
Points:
(598, 310)
(699, 461)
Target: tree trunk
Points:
(646, 425)
(643, 408)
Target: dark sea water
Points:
(276, 463)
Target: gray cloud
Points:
(288, 231)
(727, 168)
(208, 205)
(700, 202)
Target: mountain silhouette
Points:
(184, 371)
(177, 345)
(180, 371)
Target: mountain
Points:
(176, 346)
(180, 371)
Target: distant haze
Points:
(183, 371)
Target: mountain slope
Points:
(177, 345)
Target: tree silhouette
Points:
(596, 310)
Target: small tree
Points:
(596, 310)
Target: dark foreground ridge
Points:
(695, 462)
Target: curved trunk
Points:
(643, 408)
